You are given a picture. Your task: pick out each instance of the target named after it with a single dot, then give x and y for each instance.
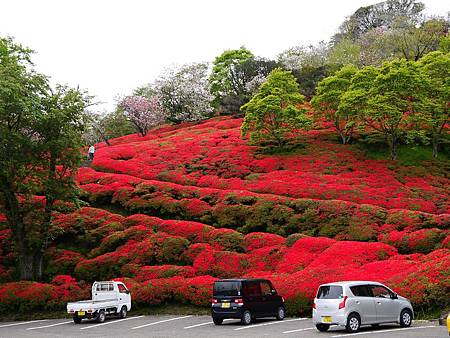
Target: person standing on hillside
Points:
(91, 153)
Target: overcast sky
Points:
(111, 47)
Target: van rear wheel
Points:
(246, 318)
(322, 327)
(217, 321)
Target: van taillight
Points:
(213, 301)
(239, 301)
(342, 304)
(314, 305)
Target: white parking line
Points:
(159, 322)
(43, 327)
(383, 331)
(22, 323)
(207, 323)
(270, 323)
(299, 330)
(111, 322)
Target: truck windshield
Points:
(330, 292)
(227, 289)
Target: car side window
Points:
(252, 289)
(361, 291)
(380, 291)
(266, 289)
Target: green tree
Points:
(437, 66)
(326, 102)
(387, 99)
(274, 111)
(406, 40)
(224, 79)
(40, 141)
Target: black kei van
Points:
(245, 299)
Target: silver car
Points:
(356, 303)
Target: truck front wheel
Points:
(123, 312)
(77, 320)
(101, 316)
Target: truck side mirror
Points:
(127, 292)
(394, 296)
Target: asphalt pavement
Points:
(202, 326)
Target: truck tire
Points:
(123, 312)
(77, 320)
(101, 316)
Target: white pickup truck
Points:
(108, 298)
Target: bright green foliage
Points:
(388, 99)
(328, 97)
(274, 111)
(40, 142)
(436, 65)
(222, 80)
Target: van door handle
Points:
(357, 302)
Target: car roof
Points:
(349, 283)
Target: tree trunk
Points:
(435, 144)
(392, 142)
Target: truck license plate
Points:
(226, 305)
(81, 313)
(326, 319)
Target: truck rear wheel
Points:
(77, 320)
(101, 316)
(123, 312)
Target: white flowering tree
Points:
(184, 92)
(145, 113)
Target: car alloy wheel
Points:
(246, 318)
(353, 323)
(405, 318)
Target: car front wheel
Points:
(405, 318)
(353, 323)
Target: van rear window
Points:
(330, 292)
(227, 289)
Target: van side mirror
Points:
(394, 296)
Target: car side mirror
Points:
(273, 292)
(394, 296)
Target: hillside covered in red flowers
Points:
(172, 211)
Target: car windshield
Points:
(330, 292)
(227, 289)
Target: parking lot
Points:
(202, 326)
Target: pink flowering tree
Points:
(144, 113)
